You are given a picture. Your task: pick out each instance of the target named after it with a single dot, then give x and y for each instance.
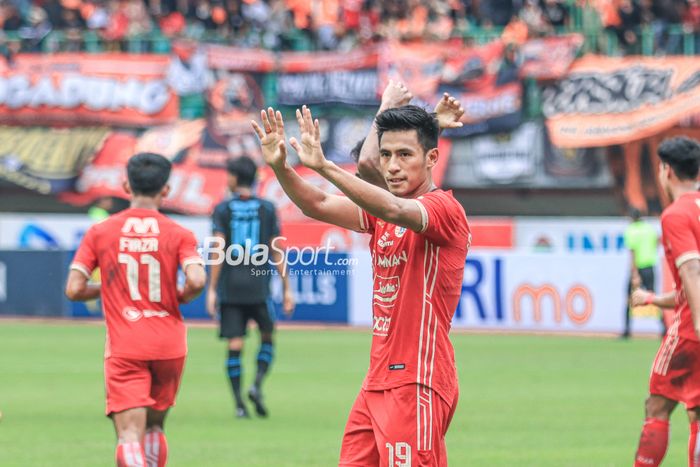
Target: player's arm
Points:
(193, 267)
(376, 201)
(395, 95)
(280, 262)
(641, 297)
(689, 273)
(78, 287)
(214, 274)
(312, 201)
(195, 280)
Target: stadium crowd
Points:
(339, 24)
(274, 24)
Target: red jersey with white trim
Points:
(138, 252)
(417, 285)
(680, 226)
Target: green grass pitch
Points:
(525, 400)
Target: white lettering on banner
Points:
(3, 282)
(94, 92)
(392, 260)
(141, 226)
(541, 292)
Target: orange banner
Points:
(74, 88)
(613, 100)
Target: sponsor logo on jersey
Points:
(133, 315)
(389, 261)
(386, 290)
(397, 366)
(384, 241)
(381, 325)
(399, 231)
(141, 226)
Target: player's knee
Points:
(657, 407)
(235, 344)
(130, 434)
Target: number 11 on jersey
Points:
(132, 275)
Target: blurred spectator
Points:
(496, 12)
(629, 28)
(555, 12)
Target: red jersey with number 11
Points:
(417, 285)
(138, 252)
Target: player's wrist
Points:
(649, 300)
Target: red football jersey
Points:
(680, 226)
(417, 285)
(138, 252)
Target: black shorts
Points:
(234, 319)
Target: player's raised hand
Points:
(309, 148)
(396, 94)
(271, 136)
(449, 111)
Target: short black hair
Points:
(682, 154)
(410, 117)
(148, 173)
(244, 169)
(357, 149)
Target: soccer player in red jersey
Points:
(675, 373)
(419, 242)
(138, 252)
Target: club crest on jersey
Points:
(399, 231)
(141, 226)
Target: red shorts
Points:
(141, 383)
(675, 373)
(386, 428)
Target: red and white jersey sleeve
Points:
(85, 259)
(680, 224)
(443, 218)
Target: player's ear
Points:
(165, 191)
(126, 187)
(432, 157)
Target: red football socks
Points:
(652, 444)
(130, 455)
(694, 446)
(156, 448)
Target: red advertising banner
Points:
(74, 88)
(193, 189)
(223, 57)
